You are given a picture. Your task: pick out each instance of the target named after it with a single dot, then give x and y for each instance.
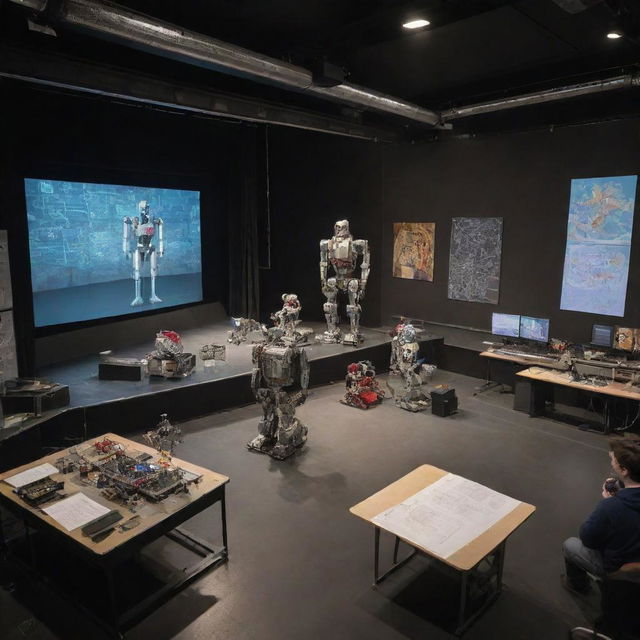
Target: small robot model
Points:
(212, 353)
(169, 358)
(342, 251)
(164, 437)
(241, 329)
(363, 390)
(279, 382)
(412, 371)
(137, 243)
(287, 319)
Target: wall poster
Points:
(413, 250)
(596, 263)
(474, 259)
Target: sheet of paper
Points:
(446, 515)
(31, 475)
(75, 511)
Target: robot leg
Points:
(353, 311)
(333, 333)
(154, 272)
(291, 434)
(268, 424)
(136, 277)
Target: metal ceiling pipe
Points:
(114, 22)
(558, 93)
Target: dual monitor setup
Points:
(525, 327)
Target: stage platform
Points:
(101, 406)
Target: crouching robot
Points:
(405, 363)
(342, 251)
(363, 390)
(287, 319)
(137, 243)
(279, 382)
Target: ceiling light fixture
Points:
(416, 24)
(614, 34)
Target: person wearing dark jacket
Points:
(610, 536)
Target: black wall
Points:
(316, 179)
(524, 178)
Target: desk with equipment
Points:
(544, 380)
(119, 531)
(459, 523)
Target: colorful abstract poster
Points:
(474, 259)
(413, 250)
(596, 264)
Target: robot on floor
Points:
(169, 359)
(139, 232)
(164, 437)
(342, 251)
(405, 363)
(279, 382)
(363, 390)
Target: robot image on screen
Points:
(138, 244)
(342, 251)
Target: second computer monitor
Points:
(602, 335)
(534, 328)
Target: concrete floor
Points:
(301, 566)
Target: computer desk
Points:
(547, 378)
(160, 519)
(488, 547)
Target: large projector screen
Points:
(95, 247)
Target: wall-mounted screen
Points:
(505, 324)
(602, 335)
(534, 328)
(103, 250)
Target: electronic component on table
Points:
(41, 491)
(102, 525)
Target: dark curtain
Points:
(246, 202)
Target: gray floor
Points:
(301, 566)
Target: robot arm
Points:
(159, 225)
(126, 236)
(362, 247)
(324, 261)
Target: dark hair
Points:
(627, 453)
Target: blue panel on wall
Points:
(596, 265)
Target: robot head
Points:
(408, 334)
(143, 209)
(341, 229)
(290, 299)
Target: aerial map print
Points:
(596, 264)
(413, 250)
(474, 260)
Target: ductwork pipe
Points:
(113, 22)
(559, 93)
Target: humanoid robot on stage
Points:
(342, 251)
(139, 232)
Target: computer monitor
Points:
(505, 324)
(534, 328)
(602, 335)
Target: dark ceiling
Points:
(473, 50)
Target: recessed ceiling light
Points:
(415, 24)
(614, 34)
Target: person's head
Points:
(625, 456)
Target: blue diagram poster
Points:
(596, 264)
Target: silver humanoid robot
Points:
(404, 362)
(279, 382)
(342, 251)
(139, 232)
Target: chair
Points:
(620, 593)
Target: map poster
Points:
(474, 259)
(596, 264)
(413, 245)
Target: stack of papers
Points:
(76, 511)
(31, 475)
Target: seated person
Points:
(610, 536)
